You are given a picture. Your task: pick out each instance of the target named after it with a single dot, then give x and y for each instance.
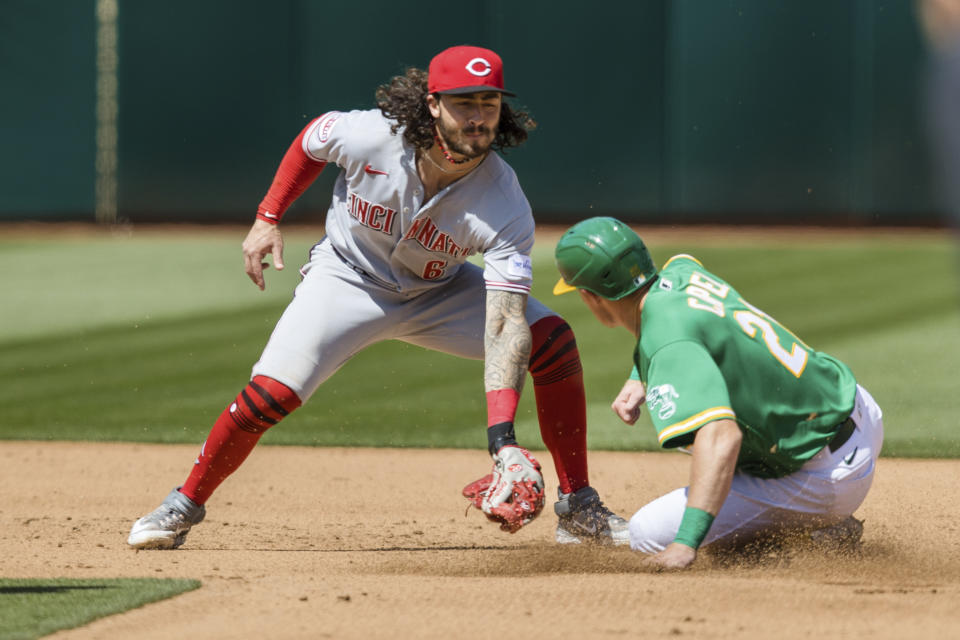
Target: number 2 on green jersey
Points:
(794, 360)
(702, 291)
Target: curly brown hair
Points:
(404, 100)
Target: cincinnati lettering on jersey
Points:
(372, 215)
(425, 232)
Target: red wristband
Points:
(502, 405)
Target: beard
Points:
(456, 139)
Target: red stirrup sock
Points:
(263, 403)
(561, 405)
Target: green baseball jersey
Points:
(706, 354)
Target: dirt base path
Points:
(374, 543)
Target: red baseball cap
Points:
(465, 69)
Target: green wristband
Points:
(694, 527)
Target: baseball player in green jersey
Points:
(782, 436)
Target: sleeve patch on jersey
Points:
(320, 130)
(662, 399)
(520, 266)
(325, 126)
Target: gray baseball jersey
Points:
(378, 220)
(393, 266)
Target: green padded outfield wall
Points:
(810, 105)
(779, 111)
(47, 119)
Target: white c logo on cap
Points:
(484, 70)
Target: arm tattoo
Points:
(506, 341)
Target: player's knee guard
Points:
(553, 354)
(263, 403)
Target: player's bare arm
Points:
(715, 451)
(513, 492)
(264, 238)
(627, 403)
(506, 341)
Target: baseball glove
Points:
(512, 495)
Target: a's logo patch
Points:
(520, 266)
(662, 400)
(479, 67)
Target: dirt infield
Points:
(374, 543)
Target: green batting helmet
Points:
(604, 256)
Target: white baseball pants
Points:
(336, 312)
(825, 491)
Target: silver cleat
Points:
(166, 527)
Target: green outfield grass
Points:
(38, 607)
(147, 337)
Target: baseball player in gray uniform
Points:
(420, 190)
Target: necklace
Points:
(446, 154)
(426, 154)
